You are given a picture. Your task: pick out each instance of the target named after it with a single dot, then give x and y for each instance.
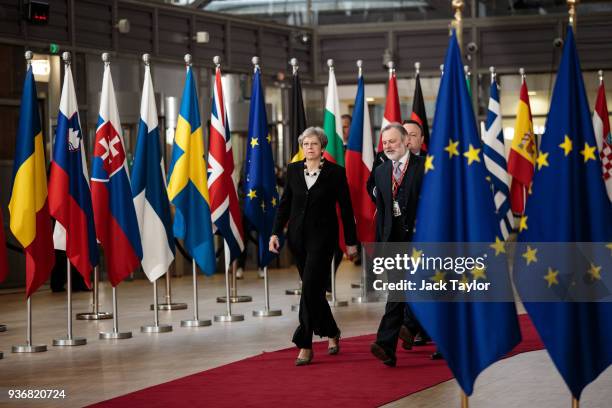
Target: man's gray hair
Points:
(397, 126)
(317, 132)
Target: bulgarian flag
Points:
(523, 153)
(332, 125)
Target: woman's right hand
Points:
(274, 244)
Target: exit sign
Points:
(37, 11)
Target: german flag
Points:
(30, 221)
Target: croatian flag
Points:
(359, 160)
(69, 194)
(149, 189)
(224, 206)
(114, 215)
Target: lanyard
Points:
(395, 184)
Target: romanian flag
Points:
(29, 209)
(187, 182)
(523, 153)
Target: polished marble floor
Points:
(103, 369)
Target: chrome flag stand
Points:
(69, 340)
(196, 322)
(228, 316)
(115, 334)
(234, 297)
(334, 302)
(266, 312)
(168, 305)
(29, 347)
(156, 327)
(95, 314)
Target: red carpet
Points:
(352, 378)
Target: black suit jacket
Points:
(311, 214)
(408, 198)
(379, 159)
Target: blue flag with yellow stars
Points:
(568, 204)
(456, 205)
(261, 198)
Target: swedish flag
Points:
(187, 182)
(261, 199)
(456, 205)
(568, 203)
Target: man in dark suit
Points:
(397, 184)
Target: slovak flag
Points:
(114, 215)
(69, 195)
(392, 106)
(149, 189)
(359, 161)
(224, 206)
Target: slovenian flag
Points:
(114, 215)
(149, 189)
(69, 193)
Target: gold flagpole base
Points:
(575, 403)
(464, 400)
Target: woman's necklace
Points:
(317, 171)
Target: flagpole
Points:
(228, 316)
(28, 347)
(233, 296)
(156, 327)
(69, 340)
(196, 322)
(95, 314)
(573, 16)
(457, 23)
(294, 69)
(115, 334)
(266, 312)
(441, 70)
(465, 403)
(298, 291)
(575, 403)
(334, 302)
(168, 305)
(359, 285)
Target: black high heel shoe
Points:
(333, 350)
(304, 361)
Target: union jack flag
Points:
(223, 197)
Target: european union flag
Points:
(568, 203)
(456, 205)
(261, 198)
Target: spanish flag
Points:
(523, 153)
(30, 221)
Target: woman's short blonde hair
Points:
(316, 132)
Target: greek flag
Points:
(495, 161)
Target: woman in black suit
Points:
(308, 205)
